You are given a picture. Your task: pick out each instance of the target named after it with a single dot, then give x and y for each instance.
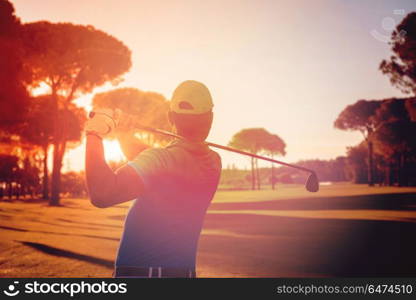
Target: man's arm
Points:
(105, 187)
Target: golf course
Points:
(344, 230)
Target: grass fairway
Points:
(343, 230)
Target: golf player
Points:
(172, 187)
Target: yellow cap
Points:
(191, 97)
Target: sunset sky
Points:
(288, 66)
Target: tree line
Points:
(66, 61)
(387, 154)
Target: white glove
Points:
(102, 121)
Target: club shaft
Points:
(167, 133)
(258, 156)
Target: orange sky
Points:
(288, 66)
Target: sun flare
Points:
(113, 151)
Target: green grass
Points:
(343, 230)
(290, 191)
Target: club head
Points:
(312, 184)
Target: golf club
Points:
(312, 184)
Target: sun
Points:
(113, 151)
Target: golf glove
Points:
(102, 121)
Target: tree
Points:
(38, 131)
(390, 110)
(9, 23)
(13, 94)
(73, 184)
(71, 60)
(360, 116)
(38, 128)
(150, 108)
(395, 138)
(411, 108)
(247, 140)
(8, 170)
(401, 67)
(252, 140)
(274, 145)
(27, 178)
(357, 164)
(398, 145)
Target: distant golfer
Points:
(172, 186)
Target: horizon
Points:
(314, 59)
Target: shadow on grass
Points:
(89, 223)
(69, 254)
(117, 217)
(66, 226)
(283, 246)
(398, 201)
(13, 229)
(59, 233)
